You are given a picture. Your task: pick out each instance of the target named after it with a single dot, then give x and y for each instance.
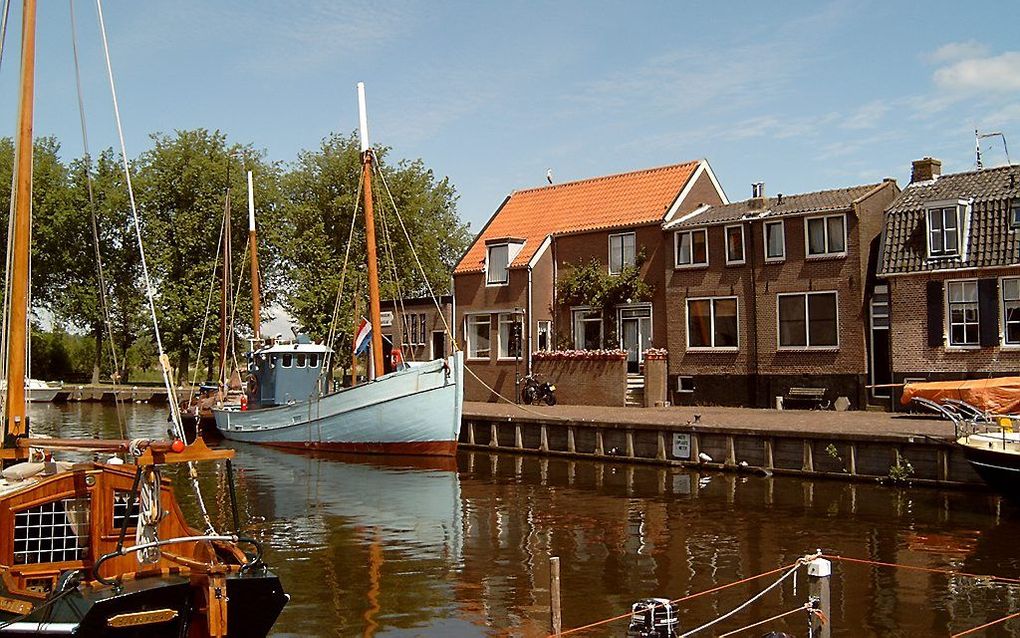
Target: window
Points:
(775, 241)
(963, 313)
(1014, 214)
(712, 323)
(587, 330)
(544, 336)
(808, 320)
(120, 507)
(53, 532)
(496, 273)
(510, 335)
(287, 360)
(825, 236)
(313, 360)
(684, 383)
(478, 336)
(300, 360)
(692, 248)
(734, 244)
(414, 329)
(1011, 311)
(621, 252)
(943, 231)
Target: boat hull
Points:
(413, 411)
(997, 465)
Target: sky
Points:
(800, 95)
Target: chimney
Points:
(925, 170)
(757, 200)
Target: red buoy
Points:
(177, 446)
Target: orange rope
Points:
(931, 570)
(678, 600)
(987, 624)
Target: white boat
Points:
(415, 409)
(38, 391)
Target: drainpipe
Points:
(454, 347)
(527, 318)
(752, 311)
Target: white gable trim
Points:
(540, 251)
(694, 213)
(703, 168)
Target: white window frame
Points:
(726, 244)
(676, 248)
(469, 335)
(543, 326)
(960, 208)
(765, 240)
(1014, 214)
(948, 315)
(1003, 332)
(508, 318)
(713, 347)
(574, 312)
(827, 252)
(489, 282)
(623, 254)
(807, 322)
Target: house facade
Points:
(950, 263)
(506, 284)
(770, 295)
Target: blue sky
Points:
(800, 95)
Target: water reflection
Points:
(404, 548)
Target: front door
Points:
(438, 344)
(635, 334)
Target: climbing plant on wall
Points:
(591, 285)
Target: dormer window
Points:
(1014, 214)
(621, 252)
(496, 263)
(945, 230)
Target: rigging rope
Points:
(208, 308)
(104, 302)
(986, 625)
(404, 319)
(331, 339)
(3, 29)
(804, 607)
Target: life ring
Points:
(396, 358)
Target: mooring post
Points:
(819, 572)
(556, 618)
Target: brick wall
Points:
(586, 382)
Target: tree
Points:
(321, 194)
(592, 286)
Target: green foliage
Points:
(901, 471)
(591, 285)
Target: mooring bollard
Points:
(556, 618)
(819, 570)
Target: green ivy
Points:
(591, 285)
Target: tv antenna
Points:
(977, 145)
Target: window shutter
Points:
(936, 314)
(988, 311)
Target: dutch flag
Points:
(363, 340)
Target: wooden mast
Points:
(15, 420)
(375, 315)
(256, 310)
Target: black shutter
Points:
(988, 311)
(935, 314)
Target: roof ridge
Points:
(743, 202)
(599, 178)
(978, 171)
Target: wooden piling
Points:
(819, 573)
(556, 617)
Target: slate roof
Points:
(990, 241)
(592, 204)
(838, 199)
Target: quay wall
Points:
(586, 381)
(887, 457)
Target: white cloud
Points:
(867, 115)
(955, 51)
(996, 73)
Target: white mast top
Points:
(251, 204)
(363, 117)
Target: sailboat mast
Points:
(375, 314)
(256, 310)
(15, 421)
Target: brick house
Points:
(951, 260)
(418, 327)
(770, 294)
(506, 281)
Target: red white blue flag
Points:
(363, 339)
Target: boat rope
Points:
(101, 275)
(554, 417)
(986, 625)
(164, 361)
(399, 297)
(331, 338)
(208, 308)
(46, 605)
(686, 598)
(929, 570)
(805, 607)
(3, 29)
(5, 341)
(150, 513)
(233, 311)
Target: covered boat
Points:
(999, 395)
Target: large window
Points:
(496, 273)
(712, 323)
(692, 247)
(775, 241)
(621, 252)
(826, 236)
(53, 532)
(544, 336)
(414, 325)
(1011, 311)
(734, 244)
(511, 333)
(808, 320)
(587, 330)
(478, 332)
(943, 231)
(964, 329)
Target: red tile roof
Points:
(612, 201)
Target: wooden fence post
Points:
(556, 619)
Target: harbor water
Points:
(413, 547)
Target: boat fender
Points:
(396, 358)
(244, 403)
(22, 471)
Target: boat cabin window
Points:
(53, 532)
(120, 505)
(300, 360)
(287, 360)
(313, 361)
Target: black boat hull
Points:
(998, 468)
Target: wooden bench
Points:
(814, 395)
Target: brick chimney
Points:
(926, 169)
(757, 201)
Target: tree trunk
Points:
(97, 362)
(185, 364)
